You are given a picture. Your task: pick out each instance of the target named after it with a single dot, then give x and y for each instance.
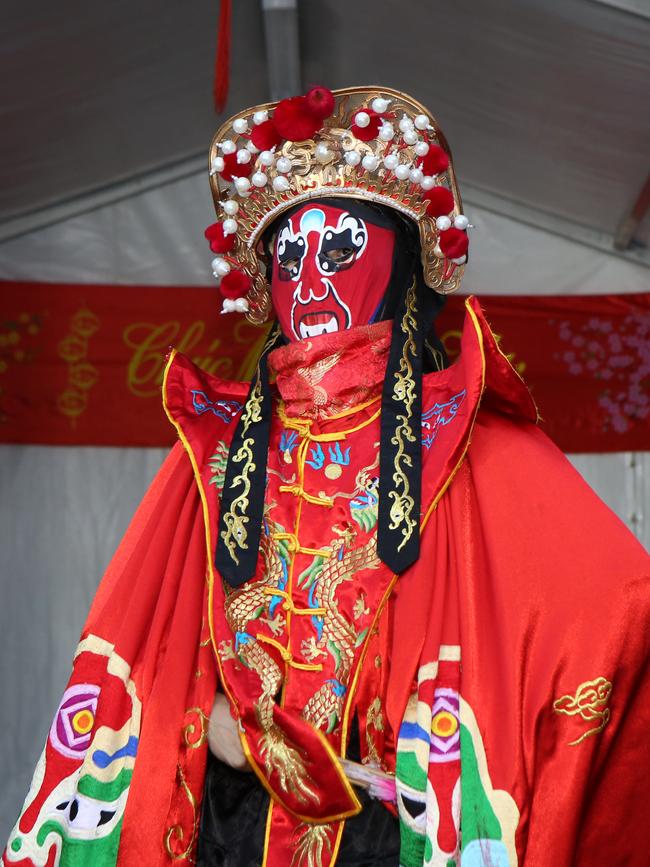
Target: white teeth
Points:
(321, 328)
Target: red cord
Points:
(222, 59)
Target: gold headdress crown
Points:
(361, 142)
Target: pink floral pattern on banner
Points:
(619, 359)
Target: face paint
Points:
(331, 269)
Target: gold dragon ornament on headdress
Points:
(366, 143)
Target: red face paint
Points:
(331, 269)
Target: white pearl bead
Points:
(228, 146)
(243, 156)
(421, 121)
(241, 305)
(362, 119)
(391, 161)
(259, 179)
(370, 163)
(220, 267)
(217, 164)
(379, 105)
(242, 185)
(461, 221)
(402, 172)
(387, 132)
(251, 147)
(428, 182)
(443, 223)
(284, 165)
(230, 225)
(323, 153)
(422, 149)
(460, 261)
(353, 158)
(405, 123)
(415, 176)
(230, 207)
(240, 126)
(228, 305)
(266, 158)
(280, 184)
(260, 117)
(410, 137)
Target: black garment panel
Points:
(233, 825)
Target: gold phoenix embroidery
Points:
(589, 702)
(313, 842)
(401, 510)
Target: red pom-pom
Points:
(454, 243)
(367, 133)
(320, 102)
(294, 121)
(234, 285)
(265, 136)
(233, 169)
(219, 243)
(440, 201)
(435, 161)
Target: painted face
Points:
(331, 269)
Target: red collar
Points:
(323, 376)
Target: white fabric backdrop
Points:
(63, 510)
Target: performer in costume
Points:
(366, 550)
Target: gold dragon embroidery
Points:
(242, 607)
(337, 637)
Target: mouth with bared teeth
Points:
(316, 316)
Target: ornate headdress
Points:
(366, 143)
(373, 144)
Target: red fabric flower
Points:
(435, 161)
(440, 201)
(454, 243)
(265, 136)
(320, 102)
(233, 169)
(367, 133)
(235, 285)
(294, 121)
(219, 243)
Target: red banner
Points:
(83, 364)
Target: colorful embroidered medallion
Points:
(449, 812)
(73, 812)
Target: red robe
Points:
(518, 636)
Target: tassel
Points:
(222, 59)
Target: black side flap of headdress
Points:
(242, 499)
(400, 454)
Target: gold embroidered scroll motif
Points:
(401, 510)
